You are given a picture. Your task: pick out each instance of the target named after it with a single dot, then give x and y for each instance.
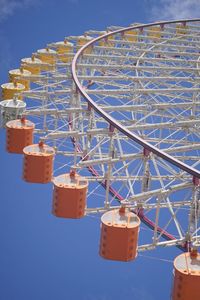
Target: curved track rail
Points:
(137, 133)
(119, 126)
(113, 122)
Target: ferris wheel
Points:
(115, 119)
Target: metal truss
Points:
(125, 114)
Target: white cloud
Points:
(8, 7)
(175, 9)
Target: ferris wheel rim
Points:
(118, 183)
(113, 122)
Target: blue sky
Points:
(43, 257)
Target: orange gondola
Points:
(38, 163)
(69, 196)
(119, 235)
(19, 134)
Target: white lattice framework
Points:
(125, 114)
